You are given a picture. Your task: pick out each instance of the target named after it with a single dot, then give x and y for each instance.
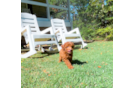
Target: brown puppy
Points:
(66, 54)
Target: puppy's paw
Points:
(71, 67)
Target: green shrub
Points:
(106, 33)
(87, 34)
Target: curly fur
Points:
(66, 54)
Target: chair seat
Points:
(42, 35)
(71, 35)
(73, 40)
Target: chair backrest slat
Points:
(58, 23)
(30, 19)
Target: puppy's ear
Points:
(72, 45)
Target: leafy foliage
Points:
(106, 32)
(93, 18)
(58, 13)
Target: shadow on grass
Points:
(43, 54)
(37, 56)
(50, 52)
(78, 62)
(78, 47)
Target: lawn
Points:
(93, 68)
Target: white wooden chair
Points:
(59, 28)
(33, 36)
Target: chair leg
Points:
(39, 47)
(26, 55)
(78, 32)
(59, 47)
(83, 44)
(31, 45)
(50, 48)
(63, 39)
(56, 42)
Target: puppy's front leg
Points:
(60, 59)
(67, 62)
(70, 59)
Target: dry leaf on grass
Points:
(45, 71)
(26, 68)
(41, 79)
(80, 49)
(99, 66)
(102, 62)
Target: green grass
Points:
(44, 71)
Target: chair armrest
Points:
(24, 29)
(74, 30)
(57, 31)
(47, 30)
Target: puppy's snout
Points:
(70, 50)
